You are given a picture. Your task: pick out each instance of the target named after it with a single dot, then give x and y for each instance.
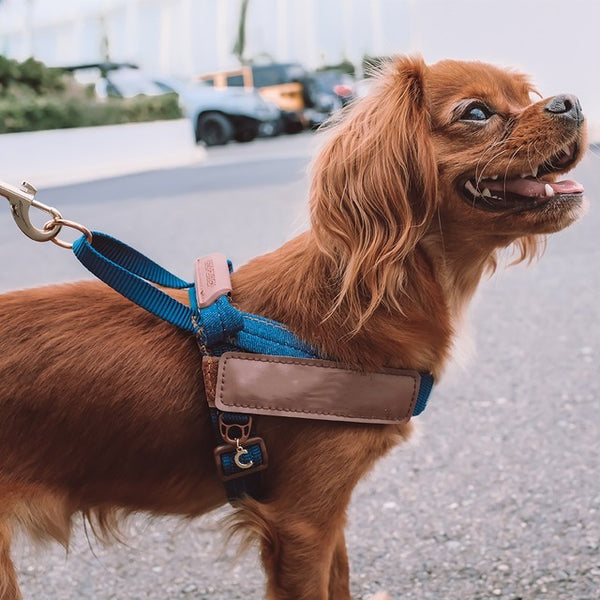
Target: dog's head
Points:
(457, 150)
(499, 153)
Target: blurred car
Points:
(217, 116)
(127, 83)
(221, 115)
(280, 83)
(116, 80)
(363, 87)
(326, 92)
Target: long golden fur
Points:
(102, 408)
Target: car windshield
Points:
(328, 78)
(267, 75)
(131, 82)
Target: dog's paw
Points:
(381, 596)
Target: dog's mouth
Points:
(526, 191)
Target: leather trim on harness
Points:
(311, 389)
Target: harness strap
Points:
(129, 273)
(424, 393)
(218, 327)
(238, 480)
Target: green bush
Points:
(345, 67)
(34, 97)
(46, 112)
(9, 72)
(29, 75)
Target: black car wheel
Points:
(291, 122)
(214, 129)
(246, 133)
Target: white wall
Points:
(556, 41)
(197, 35)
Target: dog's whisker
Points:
(514, 154)
(479, 178)
(479, 172)
(533, 167)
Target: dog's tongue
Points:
(532, 188)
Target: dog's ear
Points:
(374, 187)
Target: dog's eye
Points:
(476, 112)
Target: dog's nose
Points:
(565, 106)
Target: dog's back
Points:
(97, 413)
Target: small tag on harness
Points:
(212, 279)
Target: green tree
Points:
(240, 42)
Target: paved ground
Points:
(499, 497)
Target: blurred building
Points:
(192, 36)
(554, 41)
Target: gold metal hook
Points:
(241, 451)
(21, 200)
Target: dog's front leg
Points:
(9, 590)
(302, 544)
(297, 559)
(339, 574)
(314, 466)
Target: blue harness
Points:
(218, 328)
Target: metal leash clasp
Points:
(21, 200)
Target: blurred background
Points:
(550, 39)
(185, 127)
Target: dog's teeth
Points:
(524, 175)
(535, 172)
(494, 177)
(486, 193)
(470, 187)
(549, 191)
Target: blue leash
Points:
(218, 328)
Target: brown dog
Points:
(102, 408)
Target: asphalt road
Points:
(499, 495)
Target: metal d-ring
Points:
(65, 223)
(235, 433)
